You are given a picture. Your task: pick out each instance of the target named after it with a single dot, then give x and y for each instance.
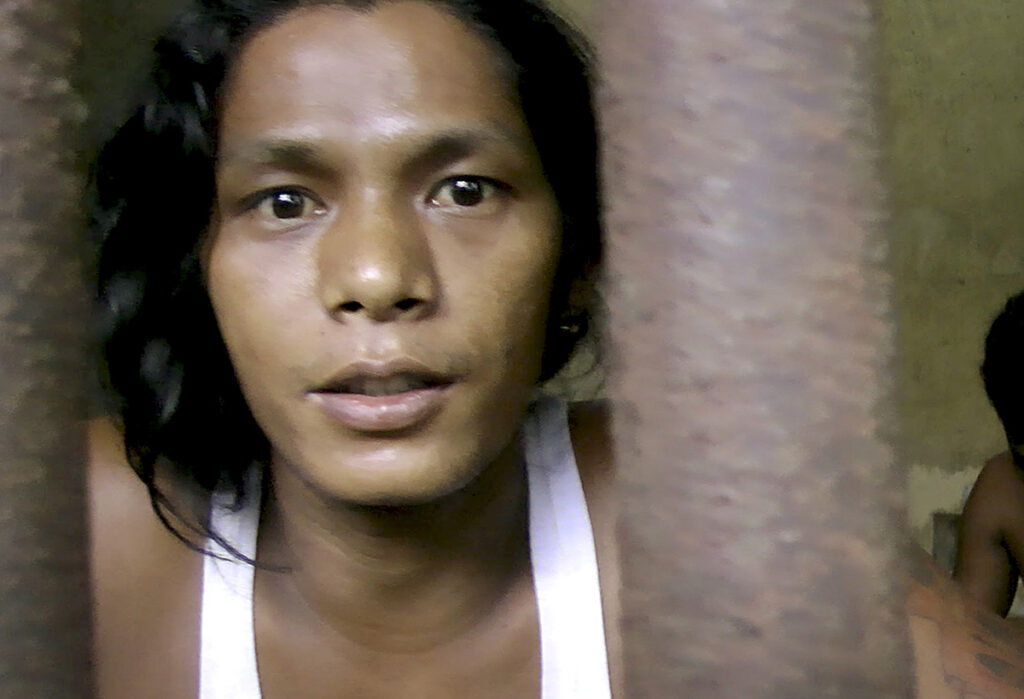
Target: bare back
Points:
(992, 535)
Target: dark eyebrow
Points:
(442, 148)
(434, 150)
(297, 155)
(458, 143)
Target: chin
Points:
(404, 489)
(403, 476)
(444, 456)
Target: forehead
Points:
(367, 71)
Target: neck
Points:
(401, 578)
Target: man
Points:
(991, 542)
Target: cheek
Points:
(511, 301)
(531, 278)
(251, 300)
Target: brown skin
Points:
(146, 587)
(961, 651)
(992, 535)
(369, 115)
(367, 123)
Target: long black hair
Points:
(165, 361)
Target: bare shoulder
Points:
(590, 426)
(145, 583)
(117, 497)
(960, 649)
(1001, 472)
(1001, 477)
(127, 538)
(997, 497)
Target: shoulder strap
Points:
(574, 659)
(227, 651)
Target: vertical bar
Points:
(762, 510)
(44, 595)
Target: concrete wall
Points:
(582, 13)
(955, 120)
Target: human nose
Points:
(376, 263)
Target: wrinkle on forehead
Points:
(396, 54)
(300, 149)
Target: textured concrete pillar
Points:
(762, 522)
(44, 600)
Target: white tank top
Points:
(574, 659)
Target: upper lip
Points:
(353, 377)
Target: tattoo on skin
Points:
(998, 667)
(961, 651)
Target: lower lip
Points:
(400, 411)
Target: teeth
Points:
(385, 386)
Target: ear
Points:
(578, 309)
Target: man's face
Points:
(383, 249)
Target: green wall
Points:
(955, 123)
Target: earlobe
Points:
(569, 322)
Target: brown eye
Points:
(467, 192)
(463, 192)
(287, 204)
